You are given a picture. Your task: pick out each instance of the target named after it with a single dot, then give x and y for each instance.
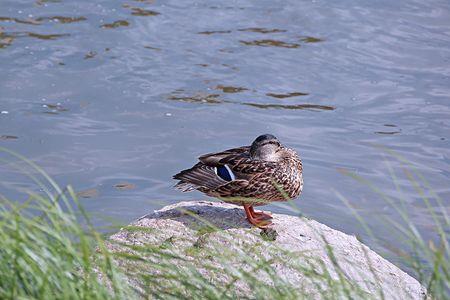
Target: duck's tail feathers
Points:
(185, 187)
(199, 176)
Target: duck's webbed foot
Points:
(259, 221)
(260, 214)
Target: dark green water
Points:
(107, 93)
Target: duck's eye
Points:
(225, 173)
(271, 143)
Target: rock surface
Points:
(303, 248)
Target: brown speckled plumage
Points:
(262, 173)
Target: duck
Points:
(248, 176)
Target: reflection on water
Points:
(137, 11)
(214, 31)
(287, 95)
(215, 99)
(270, 43)
(389, 131)
(54, 108)
(115, 24)
(262, 30)
(61, 19)
(43, 36)
(90, 54)
(40, 20)
(230, 89)
(17, 20)
(43, 2)
(8, 137)
(210, 98)
(152, 48)
(89, 193)
(292, 106)
(5, 39)
(36, 35)
(310, 39)
(115, 97)
(125, 186)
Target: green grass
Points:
(50, 250)
(427, 259)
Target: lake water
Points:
(114, 97)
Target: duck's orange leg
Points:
(258, 222)
(260, 214)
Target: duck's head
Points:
(265, 147)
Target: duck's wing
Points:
(252, 177)
(236, 164)
(213, 159)
(200, 176)
(245, 166)
(209, 174)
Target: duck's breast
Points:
(292, 176)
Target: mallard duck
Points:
(249, 176)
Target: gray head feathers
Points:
(265, 147)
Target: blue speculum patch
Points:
(223, 173)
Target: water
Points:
(115, 97)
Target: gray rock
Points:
(297, 256)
